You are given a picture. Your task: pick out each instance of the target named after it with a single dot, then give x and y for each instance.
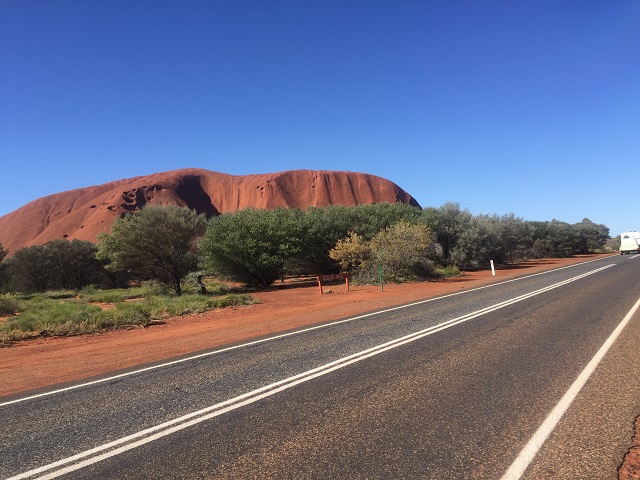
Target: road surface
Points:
(530, 378)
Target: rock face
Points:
(86, 212)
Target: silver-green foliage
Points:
(158, 242)
(471, 242)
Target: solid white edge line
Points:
(279, 336)
(116, 447)
(530, 450)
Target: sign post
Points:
(332, 277)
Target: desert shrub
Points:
(8, 305)
(28, 270)
(232, 300)
(258, 247)
(251, 246)
(403, 250)
(72, 264)
(449, 271)
(351, 252)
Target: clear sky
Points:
(523, 107)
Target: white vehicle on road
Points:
(629, 242)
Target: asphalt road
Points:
(521, 379)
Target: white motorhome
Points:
(629, 242)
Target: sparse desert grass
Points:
(71, 313)
(94, 295)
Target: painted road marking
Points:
(530, 450)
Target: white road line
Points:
(276, 337)
(530, 450)
(148, 435)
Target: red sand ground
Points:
(43, 362)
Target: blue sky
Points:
(525, 107)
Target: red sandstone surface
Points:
(84, 213)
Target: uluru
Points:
(86, 212)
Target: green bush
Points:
(449, 271)
(251, 246)
(8, 305)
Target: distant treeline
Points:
(259, 247)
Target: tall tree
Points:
(158, 242)
(591, 237)
(515, 239)
(29, 269)
(477, 244)
(451, 224)
(73, 264)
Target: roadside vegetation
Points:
(64, 313)
(258, 247)
(151, 265)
